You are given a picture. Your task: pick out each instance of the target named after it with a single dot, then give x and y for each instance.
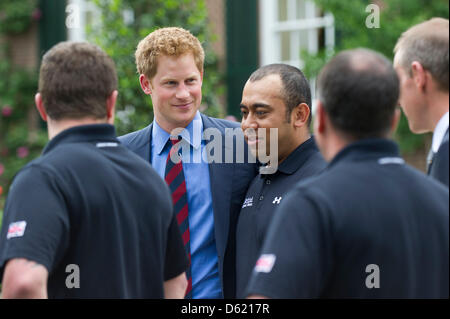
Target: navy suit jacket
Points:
(229, 184)
(439, 167)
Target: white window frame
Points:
(270, 33)
(83, 8)
(80, 8)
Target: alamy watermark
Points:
(73, 279)
(262, 145)
(373, 19)
(373, 279)
(73, 16)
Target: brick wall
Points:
(24, 48)
(216, 14)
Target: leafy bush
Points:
(19, 142)
(17, 15)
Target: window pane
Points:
(282, 10)
(301, 9)
(285, 46)
(303, 34)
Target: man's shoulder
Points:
(315, 163)
(221, 124)
(136, 139)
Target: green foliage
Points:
(396, 16)
(18, 144)
(119, 40)
(16, 16)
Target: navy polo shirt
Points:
(369, 226)
(89, 203)
(266, 193)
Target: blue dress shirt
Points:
(204, 260)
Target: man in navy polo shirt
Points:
(87, 219)
(369, 226)
(276, 97)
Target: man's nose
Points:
(182, 92)
(249, 122)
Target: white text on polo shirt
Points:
(248, 202)
(277, 200)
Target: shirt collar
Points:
(83, 133)
(367, 149)
(439, 132)
(192, 134)
(297, 158)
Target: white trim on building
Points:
(81, 13)
(289, 26)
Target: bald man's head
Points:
(359, 90)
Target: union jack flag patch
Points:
(265, 263)
(16, 229)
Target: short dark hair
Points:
(296, 88)
(75, 80)
(359, 89)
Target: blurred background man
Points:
(421, 61)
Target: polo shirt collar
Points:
(297, 158)
(367, 149)
(160, 136)
(83, 133)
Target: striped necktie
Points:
(174, 177)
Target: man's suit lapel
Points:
(149, 150)
(432, 154)
(221, 180)
(142, 144)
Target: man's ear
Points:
(300, 115)
(320, 119)
(40, 106)
(419, 75)
(111, 107)
(395, 120)
(145, 84)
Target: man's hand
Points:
(175, 288)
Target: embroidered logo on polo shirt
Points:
(16, 229)
(265, 263)
(277, 200)
(391, 160)
(109, 144)
(248, 202)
